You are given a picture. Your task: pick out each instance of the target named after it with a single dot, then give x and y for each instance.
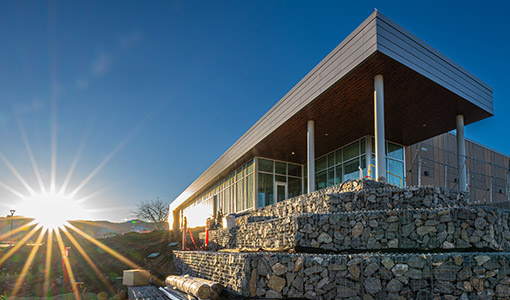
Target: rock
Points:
(393, 243)
(371, 198)
(322, 283)
(372, 285)
(477, 283)
(298, 265)
(392, 219)
(463, 244)
(298, 283)
(502, 290)
(431, 223)
(394, 286)
(480, 223)
(416, 261)
(481, 259)
(406, 230)
(279, 269)
(317, 260)
(444, 287)
(290, 278)
(370, 269)
(447, 271)
(357, 230)
(310, 295)
(312, 270)
(260, 292)
(414, 273)
(263, 267)
(345, 292)
(399, 269)
(273, 294)
(355, 271)
(276, 283)
(448, 245)
(458, 260)
(324, 238)
(388, 263)
(423, 230)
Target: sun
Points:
(52, 210)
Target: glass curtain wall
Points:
(395, 163)
(345, 163)
(232, 193)
(340, 165)
(277, 181)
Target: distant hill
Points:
(97, 229)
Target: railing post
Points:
(419, 171)
(490, 190)
(446, 176)
(507, 187)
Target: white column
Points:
(380, 153)
(311, 156)
(461, 153)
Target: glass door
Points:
(281, 191)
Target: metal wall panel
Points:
(399, 44)
(376, 33)
(358, 46)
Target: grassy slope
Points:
(133, 246)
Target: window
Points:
(321, 164)
(351, 151)
(395, 151)
(294, 170)
(280, 168)
(321, 180)
(265, 190)
(395, 170)
(294, 187)
(351, 170)
(265, 165)
(249, 190)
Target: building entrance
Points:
(281, 191)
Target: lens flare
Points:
(52, 210)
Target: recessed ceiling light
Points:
(424, 125)
(326, 134)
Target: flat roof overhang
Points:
(423, 92)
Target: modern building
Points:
(380, 104)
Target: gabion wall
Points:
(358, 276)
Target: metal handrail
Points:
(400, 178)
(370, 174)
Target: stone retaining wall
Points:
(229, 269)
(482, 228)
(335, 200)
(359, 276)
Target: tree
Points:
(154, 211)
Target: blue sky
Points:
(153, 92)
